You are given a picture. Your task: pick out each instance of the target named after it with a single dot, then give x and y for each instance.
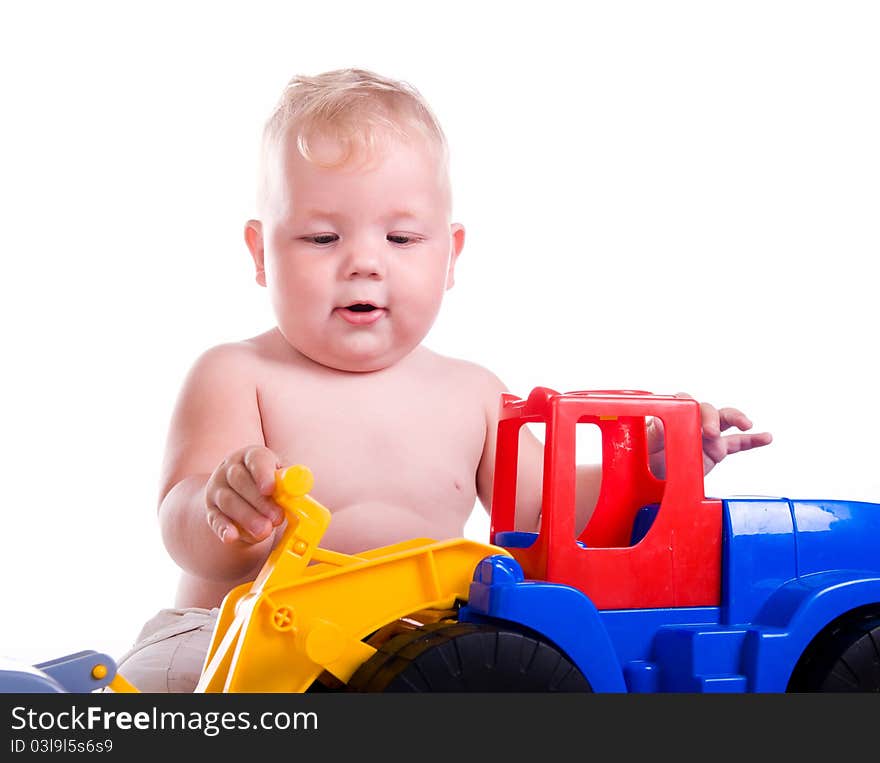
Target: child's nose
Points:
(364, 261)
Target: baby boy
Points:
(355, 247)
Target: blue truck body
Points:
(790, 570)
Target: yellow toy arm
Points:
(310, 609)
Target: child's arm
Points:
(530, 471)
(214, 511)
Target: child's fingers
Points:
(262, 463)
(710, 420)
(733, 417)
(715, 449)
(654, 435)
(739, 442)
(222, 527)
(709, 416)
(252, 525)
(239, 478)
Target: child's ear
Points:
(253, 237)
(457, 245)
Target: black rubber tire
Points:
(467, 657)
(845, 658)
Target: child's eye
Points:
(323, 238)
(399, 238)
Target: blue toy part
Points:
(561, 614)
(20, 678)
(795, 615)
(514, 539)
(680, 649)
(642, 523)
(759, 554)
(520, 539)
(836, 535)
(789, 570)
(77, 673)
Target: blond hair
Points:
(357, 108)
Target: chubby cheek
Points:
(301, 277)
(299, 294)
(422, 295)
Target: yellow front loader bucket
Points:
(310, 609)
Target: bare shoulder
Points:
(216, 410)
(219, 387)
(229, 362)
(476, 379)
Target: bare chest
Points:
(410, 446)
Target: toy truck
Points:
(664, 590)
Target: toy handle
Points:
(307, 520)
(292, 484)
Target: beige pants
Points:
(169, 653)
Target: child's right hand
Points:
(238, 496)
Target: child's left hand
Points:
(716, 447)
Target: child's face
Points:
(369, 234)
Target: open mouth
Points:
(361, 313)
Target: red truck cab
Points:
(676, 562)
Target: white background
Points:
(676, 196)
